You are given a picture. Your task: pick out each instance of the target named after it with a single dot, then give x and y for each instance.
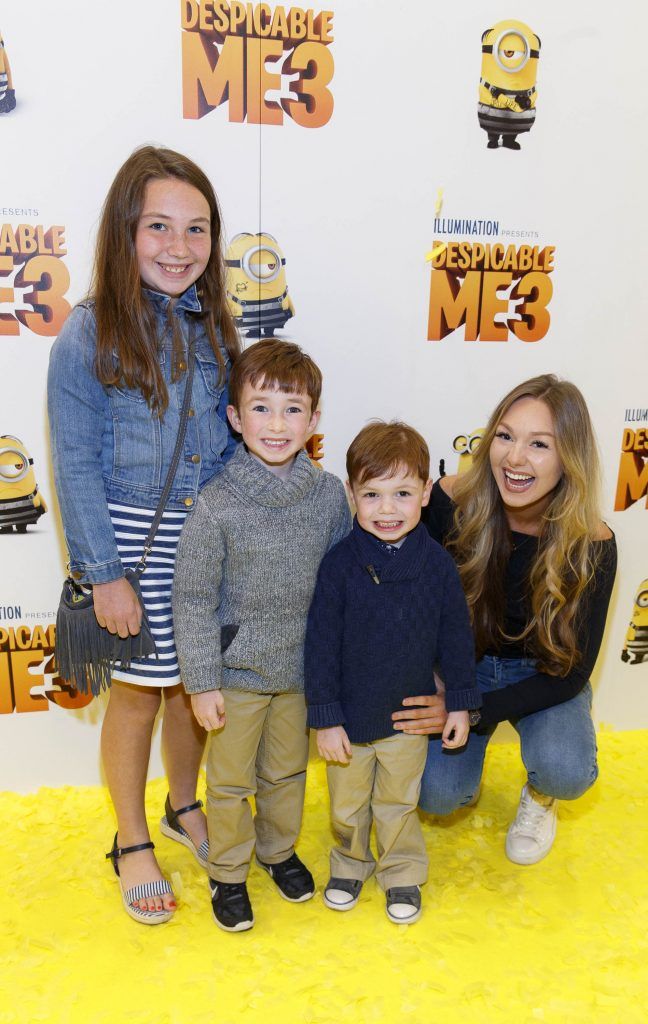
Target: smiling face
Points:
(173, 237)
(275, 426)
(390, 507)
(525, 462)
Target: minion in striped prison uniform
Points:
(7, 94)
(635, 648)
(507, 87)
(257, 293)
(21, 503)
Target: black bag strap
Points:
(182, 429)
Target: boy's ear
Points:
(427, 491)
(349, 491)
(234, 418)
(314, 420)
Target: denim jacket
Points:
(107, 445)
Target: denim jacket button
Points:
(188, 502)
(192, 412)
(76, 575)
(195, 458)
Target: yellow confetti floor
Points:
(564, 941)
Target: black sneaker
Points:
(292, 878)
(231, 906)
(404, 904)
(342, 893)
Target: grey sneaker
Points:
(531, 835)
(342, 893)
(404, 904)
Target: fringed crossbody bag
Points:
(86, 653)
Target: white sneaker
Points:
(531, 835)
(342, 893)
(403, 904)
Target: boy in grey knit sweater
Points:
(245, 572)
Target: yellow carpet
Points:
(564, 941)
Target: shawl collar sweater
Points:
(249, 479)
(370, 644)
(246, 567)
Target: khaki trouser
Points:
(382, 781)
(262, 750)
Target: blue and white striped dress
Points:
(131, 525)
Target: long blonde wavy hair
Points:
(481, 540)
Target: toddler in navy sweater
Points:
(387, 609)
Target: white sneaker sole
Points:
(340, 906)
(244, 926)
(404, 920)
(301, 899)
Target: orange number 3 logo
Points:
(49, 280)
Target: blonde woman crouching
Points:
(537, 565)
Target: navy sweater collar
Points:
(405, 564)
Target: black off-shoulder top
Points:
(540, 690)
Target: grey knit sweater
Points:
(245, 573)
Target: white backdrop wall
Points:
(351, 196)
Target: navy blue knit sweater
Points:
(370, 644)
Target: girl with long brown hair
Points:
(537, 566)
(118, 374)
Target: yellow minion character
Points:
(507, 87)
(257, 293)
(21, 503)
(465, 445)
(7, 94)
(635, 648)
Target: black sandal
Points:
(172, 829)
(141, 892)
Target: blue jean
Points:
(558, 746)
